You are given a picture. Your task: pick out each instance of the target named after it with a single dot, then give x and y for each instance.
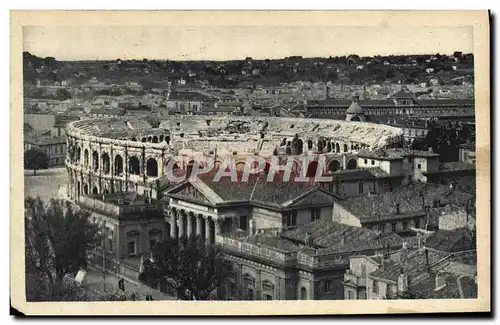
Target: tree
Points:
(188, 265)
(58, 238)
(35, 159)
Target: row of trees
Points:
(59, 237)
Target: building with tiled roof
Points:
(188, 102)
(425, 273)
(53, 146)
(401, 210)
(402, 103)
(304, 263)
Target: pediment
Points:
(190, 192)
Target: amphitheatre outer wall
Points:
(118, 154)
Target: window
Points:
(373, 162)
(315, 214)
(375, 286)
(328, 285)
(152, 244)
(393, 225)
(131, 247)
(419, 166)
(268, 297)
(361, 189)
(244, 222)
(366, 161)
(291, 219)
(405, 225)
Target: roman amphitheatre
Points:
(115, 154)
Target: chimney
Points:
(440, 281)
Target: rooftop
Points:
(452, 240)
(187, 96)
(411, 198)
(454, 166)
(395, 153)
(45, 140)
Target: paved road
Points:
(94, 281)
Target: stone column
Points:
(173, 225)
(208, 229)
(182, 230)
(218, 226)
(198, 224)
(189, 221)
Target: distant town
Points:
(396, 219)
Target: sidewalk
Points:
(94, 281)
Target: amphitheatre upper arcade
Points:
(116, 154)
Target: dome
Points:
(355, 108)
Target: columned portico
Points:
(189, 220)
(208, 230)
(199, 220)
(182, 229)
(173, 224)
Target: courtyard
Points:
(46, 183)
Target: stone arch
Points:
(106, 163)
(118, 165)
(95, 160)
(167, 139)
(85, 189)
(155, 139)
(352, 164)
(152, 167)
(95, 190)
(78, 188)
(337, 147)
(334, 165)
(309, 144)
(346, 148)
(86, 157)
(328, 146)
(79, 155)
(355, 119)
(312, 168)
(160, 139)
(134, 139)
(143, 139)
(134, 166)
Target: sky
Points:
(233, 43)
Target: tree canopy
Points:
(35, 159)
(191, 268)
(58, 238)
